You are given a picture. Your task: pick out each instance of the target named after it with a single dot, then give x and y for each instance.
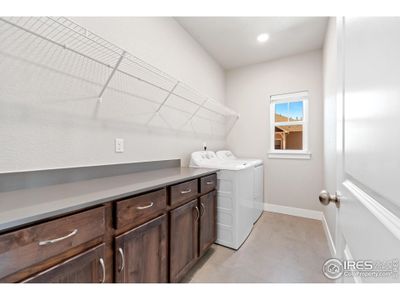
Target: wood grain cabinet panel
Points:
(141, 253)
(87, 267)
(184, 237)
(26, 247)
(208, 221)
(139, 209)
(208, 183)
(181, 192)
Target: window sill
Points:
(289, 154)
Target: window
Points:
(289, 120)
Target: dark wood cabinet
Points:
(208, 220)
(208, 183)
(141, 253)
(35, 244)
(155, 236)
(137, 210)
(87, 267)
(184, 226)
(181, 192)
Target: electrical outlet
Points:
(119, 145)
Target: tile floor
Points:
(280, 248)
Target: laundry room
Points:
(197, 149)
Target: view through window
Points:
(288, 121)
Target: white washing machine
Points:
(258, 178)
(235, 197)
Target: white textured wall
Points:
(330, 88)
(46, 122)
(287, 182)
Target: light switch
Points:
(119, 145)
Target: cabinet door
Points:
(87, 267)
(208, 221)
(141, 253)
(184, 239)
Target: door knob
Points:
(325, 198)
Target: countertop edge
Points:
(15, 225)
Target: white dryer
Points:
(235, 197)
(258, 178)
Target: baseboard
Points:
(329, 238)
(305, 213)
(294, 211)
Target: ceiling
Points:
(232, 41)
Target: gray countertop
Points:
(28, 205)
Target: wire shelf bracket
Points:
(100, 98)
(161, 106)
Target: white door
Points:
(368, 145)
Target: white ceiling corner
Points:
(232, 41)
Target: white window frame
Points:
(286, 98)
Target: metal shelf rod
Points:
(116, 69)
(111, 76)
(83, 35)
(167, 97)
(194, 113)
(161, 73)
(166, 90)
(54, 42)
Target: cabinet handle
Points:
(46, 242)
(186, 191)
(202, 209)
(121, 253)
(103, 270)
(147, 206)
(198, 213)
(209, 182)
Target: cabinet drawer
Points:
(208, 183)
(183, 191)
(137, 210)
(26, 247)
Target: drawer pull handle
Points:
(147, 206)
(186, 191)
(103, 270)
(209, 182)
(198, 214)
(42, 243)
(121, 253)
(202, 209)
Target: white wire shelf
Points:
(116, 74)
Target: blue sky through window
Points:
(282, 109)
(293, 110)
(296, 110)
